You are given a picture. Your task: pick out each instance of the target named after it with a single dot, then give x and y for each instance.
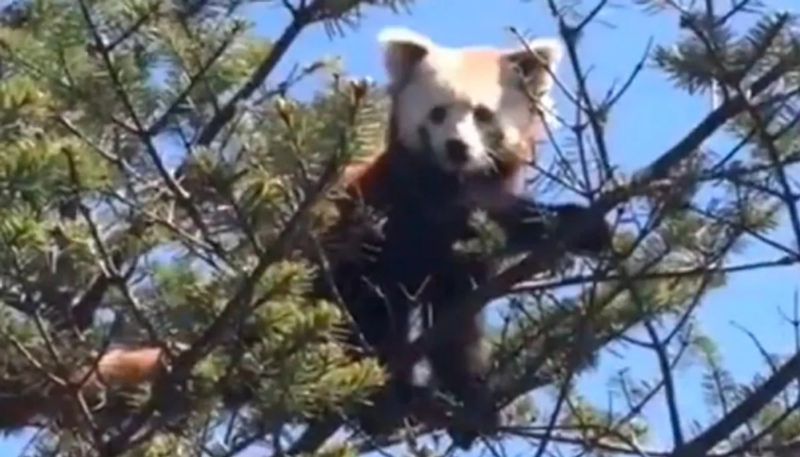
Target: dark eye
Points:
(483, 114)
(437, 114)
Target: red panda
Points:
(117, 367)
(462, 128)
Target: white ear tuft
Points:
(403, 49)
(549, 49)
(389, 35)
(538, 63)
(541, 55)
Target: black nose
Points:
(456, 151)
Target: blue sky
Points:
(651, 117)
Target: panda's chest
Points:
(418, 241)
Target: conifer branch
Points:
(760, 397)
(534, 287)
(141, 132)
(595, 116)
(159, 124)
(301, 17)
(233, 311)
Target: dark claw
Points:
(529, 225)
(594, 234)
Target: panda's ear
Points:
(403, 50)
(538, 62)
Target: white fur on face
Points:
(465, 84)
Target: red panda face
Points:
(470, 108)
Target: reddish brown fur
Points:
(363, 181)
(121, 367)
(126, 367)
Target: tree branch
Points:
(301, 18)
(700, 445)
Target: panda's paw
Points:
(474, 423)
(593, 234)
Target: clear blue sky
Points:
(652, 116)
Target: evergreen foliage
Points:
(159, 188)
